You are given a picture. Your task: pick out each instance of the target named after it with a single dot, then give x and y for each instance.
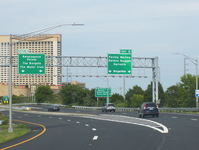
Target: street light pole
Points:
(195, 62)
(22, 38)
(10, 128)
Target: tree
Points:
(73, 94)
(43, 94)
(136, 100)
(135, 90)
(188, 86)
(172, 97)
(116, 98)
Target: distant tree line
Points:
(180, 95)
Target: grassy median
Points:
(18, 130)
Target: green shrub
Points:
(4, 118)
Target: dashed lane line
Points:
(95, 138)
(93, 129)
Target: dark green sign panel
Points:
(31, 63)
(119, 63)
(102, 92)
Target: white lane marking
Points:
(194, 119)
(87, 125)
(95, 137)
(50, 117)
(68, 120)
(60, 118)
(133, 120)
(93, 129)
(77, 122)
(174, 117)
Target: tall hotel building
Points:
(48, 44)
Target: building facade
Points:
(48, 44)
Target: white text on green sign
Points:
(31, 63)
(119, 64)
(102, 92)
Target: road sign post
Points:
(31, 63)
(119, 64)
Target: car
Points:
(148, 108)
(108, 107)
(53, 108)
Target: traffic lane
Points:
(117, 136)
(63, 109)
(183, 130)
(61, 133)
(78, 133)
(109, 135)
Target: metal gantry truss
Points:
(77, 62)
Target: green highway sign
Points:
(119, 63)
(102, 92)
(126, 51)
(5, 99)
(31, 63)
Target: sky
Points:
(150, 28)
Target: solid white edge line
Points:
(165, 129)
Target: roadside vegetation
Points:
(18, 130)
(180, 95)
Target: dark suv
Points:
(53, 108)
(148, 108)
(108, 107)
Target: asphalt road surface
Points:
(93, 130)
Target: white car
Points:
(108, 107)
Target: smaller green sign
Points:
(102, 92)
(126, 51)
(5, 99)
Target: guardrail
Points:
(99, 108)
(137, 109)
(46, 104)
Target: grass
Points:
(18, 130)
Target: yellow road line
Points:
(44, 130)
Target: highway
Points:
(72, 129)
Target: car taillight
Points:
(144, 106)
